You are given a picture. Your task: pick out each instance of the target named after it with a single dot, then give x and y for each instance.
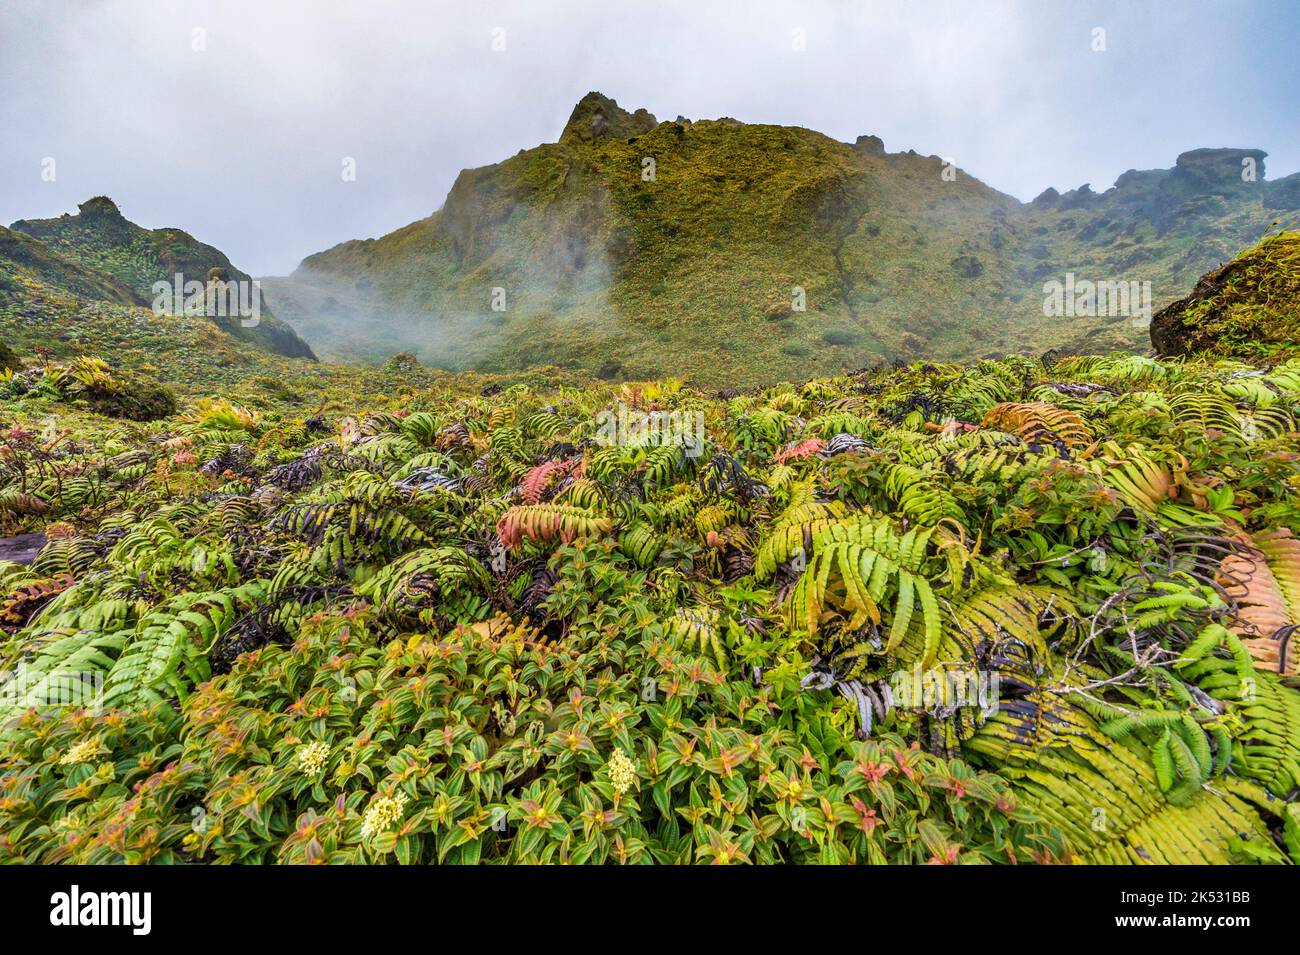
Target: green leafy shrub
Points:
(457, 623)
(490, 745)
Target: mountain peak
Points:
(1211, 170)
(871, 145)
(99, 207)
(743, 228)
(598, 115)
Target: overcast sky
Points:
(241, 142)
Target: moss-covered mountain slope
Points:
(26, 262)
(633, 247)
(100, 241)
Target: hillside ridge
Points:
(736, 252)
(98, 239)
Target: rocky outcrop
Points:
(100, 209)
(870, 145)
(1247, 308)
(596, 115)
(21, 549)
(1077, 198)
(1200, 172)
(1048, 198)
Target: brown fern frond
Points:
(23, 601)
(1039, 421)
(1264, 581)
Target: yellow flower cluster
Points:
(622, 772)
(81, 753)
(311, 758)
(382, 814)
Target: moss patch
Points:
(1248, 308)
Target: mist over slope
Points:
(633, 248)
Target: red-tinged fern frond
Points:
(545, 522)
(800, 450)
(534, 485)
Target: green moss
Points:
(841, 336)
(1248, 308)
(599, 258)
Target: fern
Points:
(1263, 580)
(1039, 421)
(1105, 795)
(426, 576)
(548, 522)
(167, 651)
(858, 566)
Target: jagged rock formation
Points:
(598, 116)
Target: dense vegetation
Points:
(256, 608)
(1022, 610)
(691, 267)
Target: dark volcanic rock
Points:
(1201, 172)
(1078, 198)
(23, 548)
(1048, 197)
(1170, 336)
(1248, 307)
(100, 209)
(871, 145)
